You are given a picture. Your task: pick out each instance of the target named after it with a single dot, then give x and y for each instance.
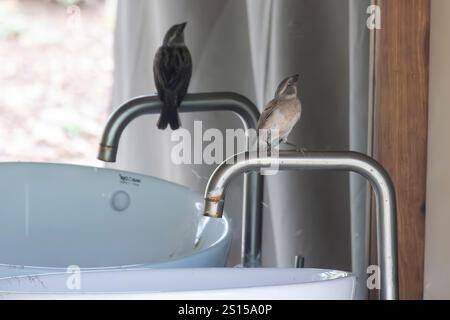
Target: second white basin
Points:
(185, 284)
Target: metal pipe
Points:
(201, 102)
(341, 161)
(299, 262)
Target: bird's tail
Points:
(163, 119)
(169, 114)
(264, 142)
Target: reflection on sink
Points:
(186, 284)
(54, 216)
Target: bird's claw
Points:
(297, 149)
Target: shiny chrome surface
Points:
(299, 262)
(343, 161)
(201, 102)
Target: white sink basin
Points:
(54, 216)
(186, 284)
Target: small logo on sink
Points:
(124, 179)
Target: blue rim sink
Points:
(54, 216)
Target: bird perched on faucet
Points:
(172, 70)
(282, 114)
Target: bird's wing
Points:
(268, 110)
(172, 70)
(157, 74)
(185, 73)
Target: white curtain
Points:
(248, 47)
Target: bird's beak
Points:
(295, 78)
(181, 27)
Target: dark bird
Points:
(172, 69)
(282, 113)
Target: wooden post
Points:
(401, 72)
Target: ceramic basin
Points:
(185, 284)
(54, 216)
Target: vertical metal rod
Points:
(299, 262)
(201, 102)
(341, 161)
(252, 220)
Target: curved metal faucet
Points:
(344, 161)
(201, 102)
